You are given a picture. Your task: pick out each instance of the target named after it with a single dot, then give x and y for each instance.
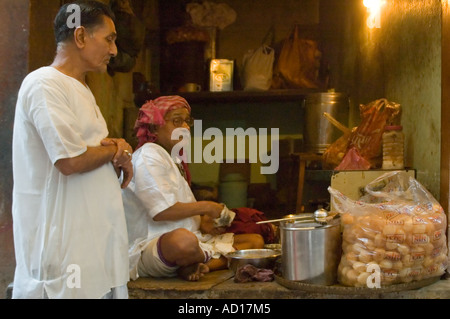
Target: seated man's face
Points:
(174, 119)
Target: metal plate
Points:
(254, 254)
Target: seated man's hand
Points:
(213, 209)
(207, 226)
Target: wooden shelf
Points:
(244, 96)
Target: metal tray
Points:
(344, 290)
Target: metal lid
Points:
(302, 226)
(326, 97)
(320, 219)
(320, 213)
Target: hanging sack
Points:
(298, 64)
(257, 65)
(258, 69)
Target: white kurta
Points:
(157, 184)
(69, 231)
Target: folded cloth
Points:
(249, 272)
(216, 246)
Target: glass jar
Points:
(393, 147)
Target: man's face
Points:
(164, 132)
(100, 46)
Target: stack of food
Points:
(404, 246)
(393, 140)
(396, 233)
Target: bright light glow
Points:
(373, 5)
(374, 10)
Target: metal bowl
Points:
(260, 258)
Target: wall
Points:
(401, 61)
(411, 43)
(41, 40)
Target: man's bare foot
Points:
(193, 272)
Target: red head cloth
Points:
(153, 112)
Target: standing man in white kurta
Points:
(70, 233)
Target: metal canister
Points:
(310, 252)
(318, 132)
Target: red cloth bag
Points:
(245, 223)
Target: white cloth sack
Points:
(258, 68)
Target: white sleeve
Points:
(55, 121)
(156, 183)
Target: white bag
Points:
(257, 69)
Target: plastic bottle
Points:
(393, 146)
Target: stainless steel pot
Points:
(310, 252)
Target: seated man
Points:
(169, 231)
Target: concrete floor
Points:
(221, 285)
